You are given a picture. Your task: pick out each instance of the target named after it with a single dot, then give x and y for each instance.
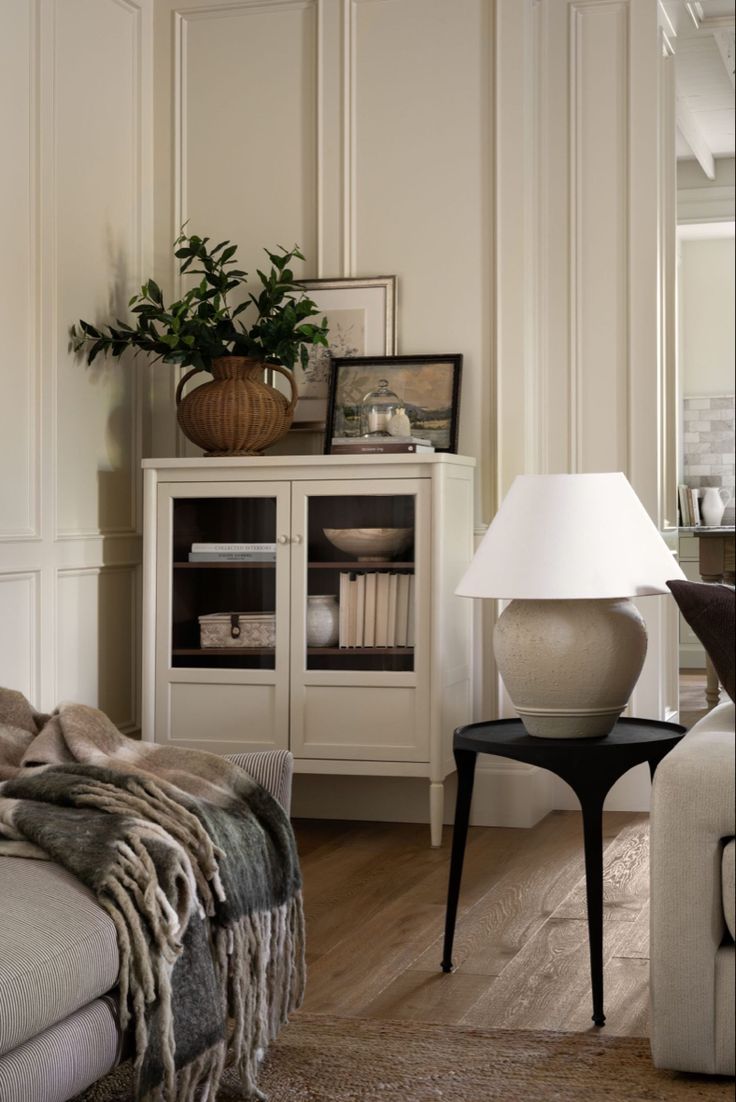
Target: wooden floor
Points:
(375, 902)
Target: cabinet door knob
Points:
(297, 539)
(282, 539)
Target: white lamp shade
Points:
(570, 536)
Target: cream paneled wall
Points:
(75, 115)
(360, 129)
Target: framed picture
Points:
(428, 387)
(361, 314)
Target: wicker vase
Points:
(236, 413)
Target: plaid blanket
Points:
(196, 865)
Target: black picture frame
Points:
(410, 378)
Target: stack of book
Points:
(376, 610)
(379, 445)
(233, 552)
(689, 507)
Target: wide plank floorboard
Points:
(375, 905)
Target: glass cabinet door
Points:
(223, 562)
(360, 582)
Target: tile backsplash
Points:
(708, 444)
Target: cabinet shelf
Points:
(222, 652)
(240, 652)
(362, 651)
(224, 565)
(368, 566)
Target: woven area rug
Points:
(324, 1059)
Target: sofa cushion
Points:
(710, 610)
(58, 948)
(728, 882)
(67, 1057)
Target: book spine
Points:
(232, 556)
(369, 619)
(378, 449)
(393, 586)
(402, 610)
(410, 627)
(381, 634)
(360, 612)
(695, 507)
(233, 547)
(684, 506)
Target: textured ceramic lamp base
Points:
(570, 666)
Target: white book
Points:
(410, 627)
(393, 589)
(369, 618)
(352, 611)
(381, 635)
(402, 610)
(343, 614)
(360, 612)
(233, 547)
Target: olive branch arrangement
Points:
(202, 326)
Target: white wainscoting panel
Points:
(19, 367)
(245, 116)
(19, 653)
(96, 224)
(75, 222)
(97, 645)
(419, 192)
(599, 174)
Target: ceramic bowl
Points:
(370, 544)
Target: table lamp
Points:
(569, 550)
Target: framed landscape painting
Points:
(428, 387)
(361, 314)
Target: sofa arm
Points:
(692, 815)
(273, 769)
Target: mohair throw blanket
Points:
(197, 867)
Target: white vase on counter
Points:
(713, 504)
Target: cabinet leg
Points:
(436, 812)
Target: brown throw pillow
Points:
(710, 611)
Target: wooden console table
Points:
(716, 564)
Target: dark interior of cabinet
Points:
(356, 511)
(222, 520)
(326, 562)
(220, 587)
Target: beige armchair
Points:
(693, 959)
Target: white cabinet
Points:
(382, 710)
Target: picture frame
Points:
(361, 314)
(429, 386)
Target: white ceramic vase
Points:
(713, 505)
(323, 620)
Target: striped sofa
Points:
(59, 965)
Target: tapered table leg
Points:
(465, 761)
(593, 840)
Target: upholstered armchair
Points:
(692, 950)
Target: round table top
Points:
(508, 737)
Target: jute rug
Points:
(323, 1059)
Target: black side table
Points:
(590, 767)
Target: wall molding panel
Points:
(19, 647)
(72, 458)
(20, 424)
(582, 107)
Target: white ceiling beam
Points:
(725, 44)
(691, 131)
